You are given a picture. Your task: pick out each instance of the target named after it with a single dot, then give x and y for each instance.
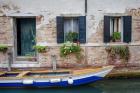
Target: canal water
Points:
(104, 86)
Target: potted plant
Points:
(40, 49)
(69, 48)
(3, 48)
(72, 36)
(116, 37)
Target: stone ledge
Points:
(25, 65)
(91, 44)
(84, 45)
(15, 65)
(26, 62)
(125, 72)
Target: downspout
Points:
(86, 50)
(85, 7)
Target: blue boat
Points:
(50, 78)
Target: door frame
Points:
(15, 56)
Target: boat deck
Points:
(45, 73)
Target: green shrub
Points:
(70, 48)
(72, 36)
(3, 48)
(116, 36)
(122, 51)
(40, 49)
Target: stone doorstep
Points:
(21, 64)
(25, 62)
(25, 65)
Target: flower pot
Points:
(118, 40)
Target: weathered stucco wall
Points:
(96, 11)
(6, 30)
(46, 12)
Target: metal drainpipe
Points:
(86, 52)
(85, 7)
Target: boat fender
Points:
(70, 81)
(55, 80)
(27, 82)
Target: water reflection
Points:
(104, 86)
(80, 89)
(118, 86)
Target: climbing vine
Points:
(121, 51)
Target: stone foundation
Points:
(92, 56)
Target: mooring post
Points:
(54, 62)
(10, 59)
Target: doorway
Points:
(25, 36)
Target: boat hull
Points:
(49, 84)
(63, 82)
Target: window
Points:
(71, 29)
(117, 28)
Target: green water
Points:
(104, 86)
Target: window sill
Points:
(96, 44)
(109, 44)
(116, 42)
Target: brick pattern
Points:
(92, 56)
(135, 56)
(6, 31)
(136, 29)
(97, 37)
(3, 58)
(47, 32)
(46, 60)
(97, 56)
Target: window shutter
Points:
(82, 29)
(106, 29)
(60, 29)
(127, 24)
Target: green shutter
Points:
(60, 29)
(127, 27)
(82, 29)
(106, 29)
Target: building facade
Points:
(25, 23)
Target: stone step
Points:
(25, 65)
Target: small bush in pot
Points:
(72, 36)
(116, 36)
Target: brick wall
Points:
(46, 30)
(6, 30)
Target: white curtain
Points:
(71, 25)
